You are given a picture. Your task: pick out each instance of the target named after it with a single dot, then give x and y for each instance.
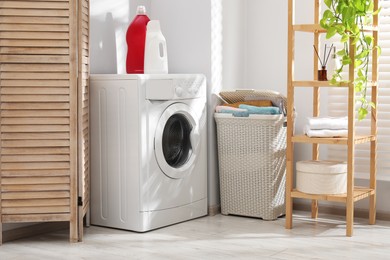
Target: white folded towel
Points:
(325, 132)
(333, 123)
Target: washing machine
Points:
(148, 150)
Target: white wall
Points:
(266, 68)
(186, 25)
(234, 43)
(109, 22)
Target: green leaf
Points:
(369, 39)
(340, 28)
(372, 104)
(346, 60)
(355, 40)
(334, 82)
(360, 73)
(379, 49)
(377, 11)
(355, 29)
(358, 63)
(328, 14)
(328, 3)
(324, 23)
(362, 113)
(341, 53)
(359, 87)
(331, 32)
(362, 55)
(344, 38)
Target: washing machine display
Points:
(148, 150)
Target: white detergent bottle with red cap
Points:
(156, 59)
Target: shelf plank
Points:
(317, 83)
(334, 140)
(316, 28)
(359, 193)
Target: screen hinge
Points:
(80, 201)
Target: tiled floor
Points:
(216, 237)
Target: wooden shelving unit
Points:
(353, 193)
(44, 114)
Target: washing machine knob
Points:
(179, 91)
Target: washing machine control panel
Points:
(183, 87)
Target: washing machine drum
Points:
(177, 140)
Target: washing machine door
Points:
(177, 140)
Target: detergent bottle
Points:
(156, 59)
(135, 38)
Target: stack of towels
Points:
(326, 127)
(245, 108)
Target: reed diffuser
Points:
(322, 72)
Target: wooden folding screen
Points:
(44, 112)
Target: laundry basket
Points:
(252, 158)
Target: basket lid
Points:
(322, 167)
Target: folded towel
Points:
(261, 110)
(257, 103)
(325, 132)
(333, 123)
(227, 109)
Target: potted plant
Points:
(347, 19)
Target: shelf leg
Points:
(349, 220)
(1, 232)
(314, 209)
(372, 214)
(289, 199)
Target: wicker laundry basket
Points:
(252, 159)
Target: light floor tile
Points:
(215, 237)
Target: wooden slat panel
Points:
(34, 143)
(34, 67)
(34, 50)
(35, 98)
(34, 27)
(34, 113)
(33, 20)
(33, 43)
(36, 210)
(34, 59)
(34, 75)
(30, 91)
(38, 187)
(34, 128)
(34, 106)
(35, 203)
(35, 218)
(35, 121)
(35, 173)
(34, 136)
(35, 150)
(35, 195)
(34, 158)
(33, 165)
(31, 180)
(35, 83)
(34, 35)
(36, 12)
(34, 5)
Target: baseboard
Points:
(33, 230)
(340, 211)
(214, 210)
